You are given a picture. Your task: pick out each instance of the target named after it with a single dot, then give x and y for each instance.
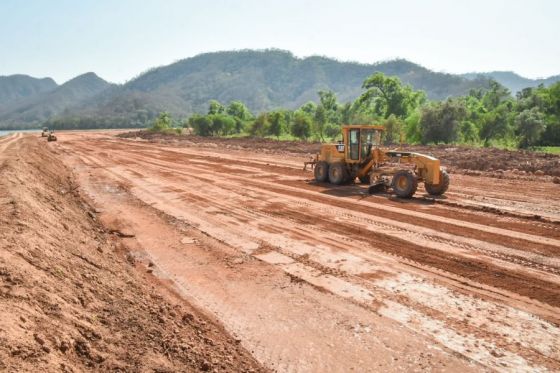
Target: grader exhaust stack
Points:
(359, 155)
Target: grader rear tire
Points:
(321, 171)
(438, 189)
(337, 174)
(404, 184)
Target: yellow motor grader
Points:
(359, 155)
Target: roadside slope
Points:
(70, 300)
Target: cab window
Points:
(367, 141)
(355, 144)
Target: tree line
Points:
(487, 117)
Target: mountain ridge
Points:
(20, 86)
(512, 80)
(35, 109)
(263, 79)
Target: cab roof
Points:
(368, 126)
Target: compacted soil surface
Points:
(70, 296)
(305, 277)
(500, 163)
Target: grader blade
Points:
(378, 187)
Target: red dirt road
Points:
(319, 278)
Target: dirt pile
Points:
(517, 162)
(69, 299)
(239, 143)
(461, 159)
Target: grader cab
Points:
(359, 155)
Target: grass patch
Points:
(548, 149)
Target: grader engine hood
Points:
(428, 167)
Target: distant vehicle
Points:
(45, 132)
(51, 137)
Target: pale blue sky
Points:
(119, 39)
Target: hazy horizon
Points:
(118, 41)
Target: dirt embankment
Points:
(69, 298)
(497, 161)
(237, 143)
(461, 159)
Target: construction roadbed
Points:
(309, 277)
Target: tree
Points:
(468, 132)
(530, 126)
(328, 100)
(309, 108)
(222, 124)
(386, 95)
(440, 121)
(201, 125)
(332, 130)
(393, 129)
(259, 127)
(301, 127)
(346, 113)
(277, 122)
(551, 136)
(238, 110)
(495, 125)
(495, 95)
(412, 127)
(162, 122)
(214, 107)
(320, 121)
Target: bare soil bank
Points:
(71, 299)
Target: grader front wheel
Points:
(404, 184)
(438, 189)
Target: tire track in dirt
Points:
(379, 205)
(512, 253)
(300, 274)
(188, 175)
(467, 272)
(318, 319)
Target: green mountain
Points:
(273, 78)
(514, 82)
(35, 109)
(17, 87)
(264, 80)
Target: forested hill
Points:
(514, 82)
(273, 78)
(263, 80)
(34, 109)
(17, 87)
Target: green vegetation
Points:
(274, 94)
(548, 149)
(257, 81)
(483, 117)
(164, 123)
